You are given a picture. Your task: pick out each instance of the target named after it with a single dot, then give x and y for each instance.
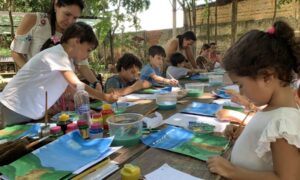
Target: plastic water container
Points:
(195, 89)
(215, 80)
(82, 103)
(166, 101)
(126, 128)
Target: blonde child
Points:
(51, 70)
(263, 64)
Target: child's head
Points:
(177, 59)
(266, 56)
(156, 55)
(83, 38)
(128, 66)
(205, 50)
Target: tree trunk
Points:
(208, 23)
(275, 10)
(174, 18)
(12, 31)
(190, 17)
(234, 21)
(194, 15)
(111, 44)
(216, 20)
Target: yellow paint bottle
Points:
(130, 172)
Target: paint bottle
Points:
(96, 131)
(63, 121)
(71, 127)
(130, 172)
(56, 132)
(83, 128)
(106, 112)
(97, 118)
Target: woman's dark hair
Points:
(156, 50)
(61, 3)
(82, 31)
(128, 61)
(188, 35)
(257, 51)
(177, 58)
(52, 17)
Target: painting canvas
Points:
(58, 158)
(200, 146)
(202, 109)
(17, 131)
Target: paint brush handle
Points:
(174, 78)
(46, 108)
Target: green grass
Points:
(4, 52)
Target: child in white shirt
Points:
(263, 64)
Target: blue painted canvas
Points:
(222, 94)
(71, 148)
(159, 90)
(202, 109)
(201, 77)
(197, 145)
(58, 159)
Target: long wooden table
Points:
(149, 159)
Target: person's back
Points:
(177, 69)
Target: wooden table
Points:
(149, 159)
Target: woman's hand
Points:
(221, 166)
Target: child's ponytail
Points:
(283, 32)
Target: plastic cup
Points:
(166, 101)
(195, 89)
(215, 80)
(126, 128)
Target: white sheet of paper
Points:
(182, 120)
(166, 172)
(139, 96)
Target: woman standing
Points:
(183, 44)
(39, 30)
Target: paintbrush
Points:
(45, 130)
(231, 141)
(179, 85)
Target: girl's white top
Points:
(252, 149)
(25, 93)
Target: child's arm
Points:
(160, 79)
(73, 80)
(286, 165)
(139, 84)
